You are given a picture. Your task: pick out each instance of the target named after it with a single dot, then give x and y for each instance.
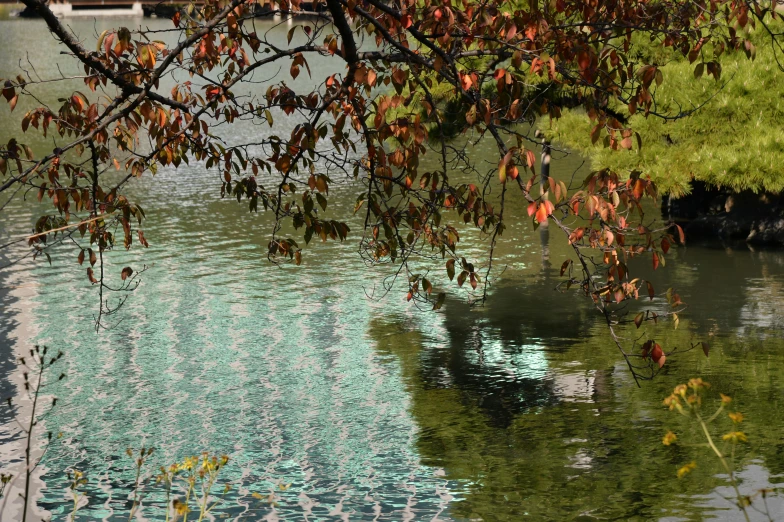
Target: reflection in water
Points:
(532, 414)
(372, 410)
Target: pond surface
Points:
(368, 407)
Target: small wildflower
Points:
(673, 402)
(669, 438)
(725, 399)
(685, 470)
(735, 437)
(180, 507)
(698, 383)
(736, 417)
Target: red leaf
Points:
(705, 348)
(681, 235)
(650, 289)
(655, 261)
(657, 353)
(126, 273)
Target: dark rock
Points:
(719, 214)
(767, 231)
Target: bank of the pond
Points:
(715, 214)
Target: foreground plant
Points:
(196, 476)
(34, 371)
(687, 399)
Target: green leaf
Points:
(322, 201)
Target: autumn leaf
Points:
(638, 319)
(450, 269)
(681, 235)
(126, 273)
(565, 265)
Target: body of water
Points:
(368, 407)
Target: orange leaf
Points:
(466, 82)
(681, 235)
(530, 158)
(541, 213)
(638, 319)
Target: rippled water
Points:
(369, 408)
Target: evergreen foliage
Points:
(734, 140)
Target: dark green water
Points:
(370, 408)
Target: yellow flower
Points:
(180, 507)
(736, 417)
(698, 383)
(686, 469)
(735, 437)
(672, 402)
(669, 438)
(725, 399)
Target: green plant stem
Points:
(28, 469)
(135, 491)
(724, 463)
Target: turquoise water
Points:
(366, 406)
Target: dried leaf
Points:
(638, 319)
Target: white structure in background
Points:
(66, 10)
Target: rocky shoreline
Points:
(718, 214)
